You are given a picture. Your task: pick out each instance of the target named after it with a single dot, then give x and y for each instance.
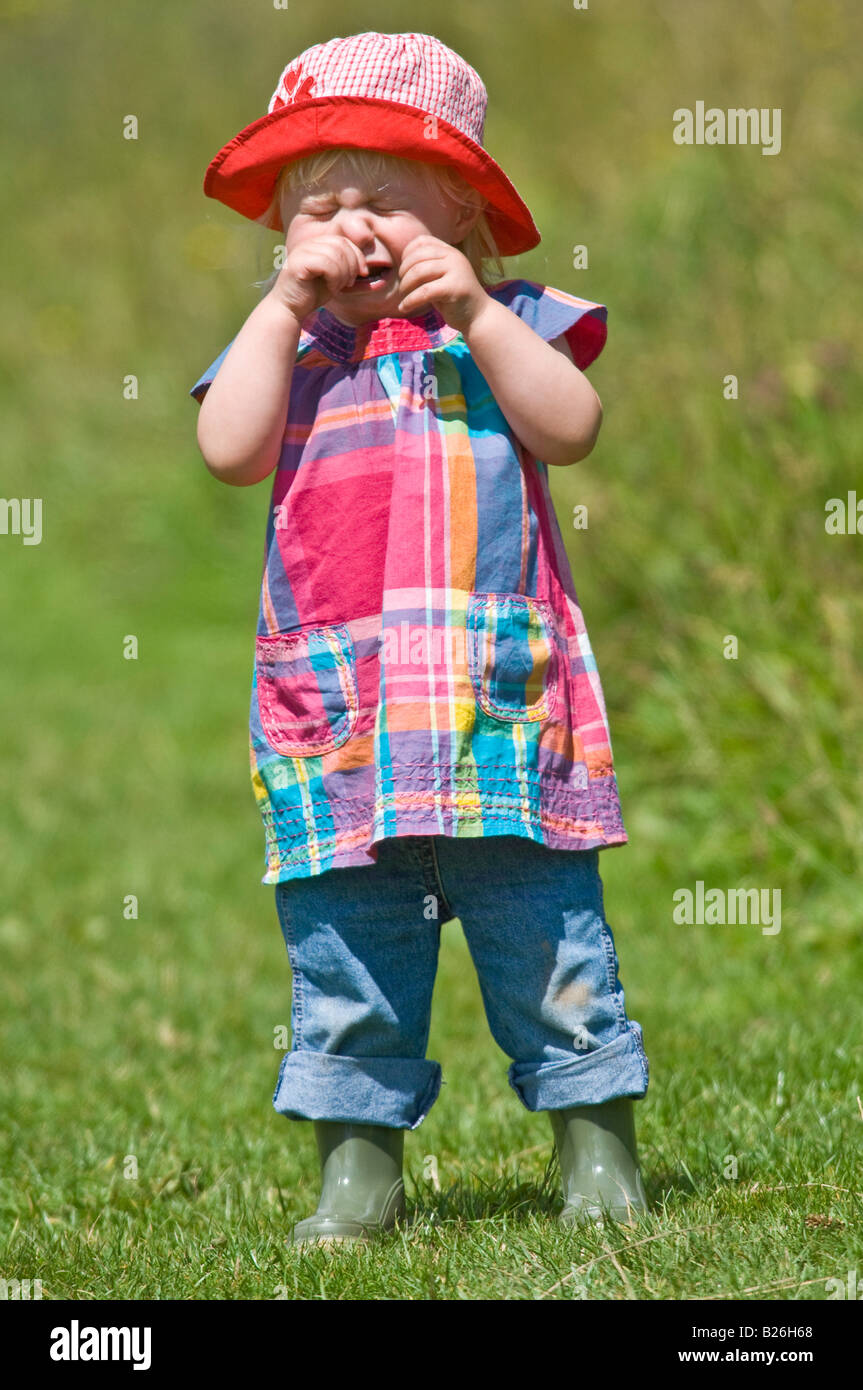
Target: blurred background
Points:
(152, 1036)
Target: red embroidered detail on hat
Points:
(292, 91)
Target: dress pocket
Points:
(307, 689)
(513, 655)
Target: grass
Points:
(146, 1032)
(167, 1063)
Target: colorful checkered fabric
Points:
(421, 662)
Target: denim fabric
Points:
(363, 947)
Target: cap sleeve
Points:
(552, 313)
(199, 390)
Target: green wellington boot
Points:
(362, 1192)
(598, 1162)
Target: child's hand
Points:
(433, 272)
(315, 271)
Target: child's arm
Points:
(241, 422)
(549, 404)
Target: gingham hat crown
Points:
(404, 94)
(414, 69)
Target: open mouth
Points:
(377, 275)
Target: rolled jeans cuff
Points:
(393, 1091)
(619, 1068)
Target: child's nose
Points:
(358, 223)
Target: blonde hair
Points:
(371, 168)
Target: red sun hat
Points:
(404, 94)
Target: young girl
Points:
(428, 734)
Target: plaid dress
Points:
(421, 663)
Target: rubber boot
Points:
(362, 1192)
(598, 1162)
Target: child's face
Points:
(381, 222)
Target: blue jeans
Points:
(363, 947)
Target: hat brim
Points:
(244, 172)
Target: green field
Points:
(150, 1038)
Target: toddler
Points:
(428, 735)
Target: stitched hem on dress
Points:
(292, 856)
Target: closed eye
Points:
(328, 212)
